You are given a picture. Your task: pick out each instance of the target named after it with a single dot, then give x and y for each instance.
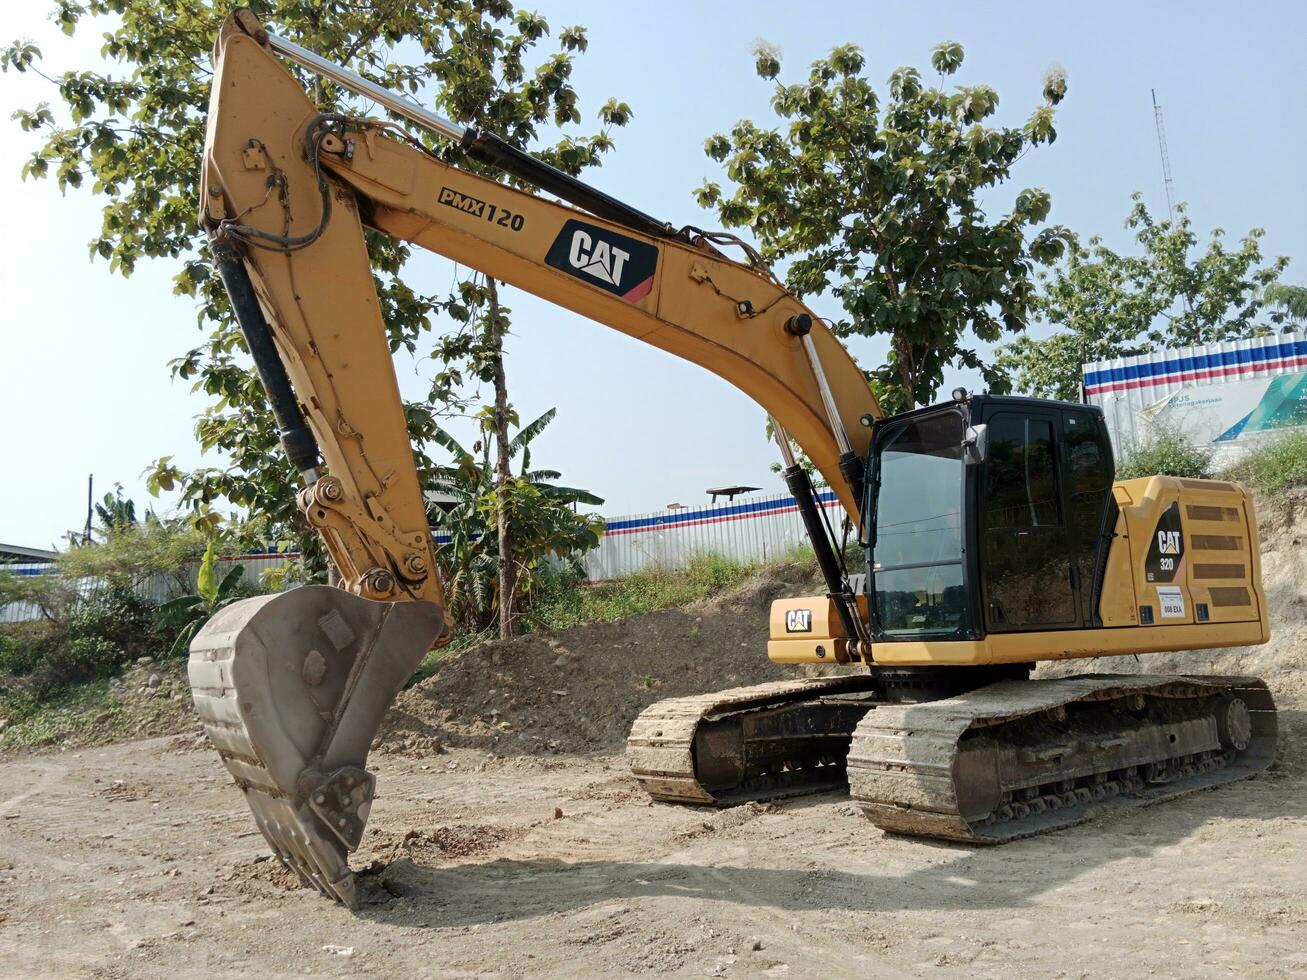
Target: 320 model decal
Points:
(1166, 551)
(604, 258)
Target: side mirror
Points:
(975, 443)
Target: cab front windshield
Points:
(917, 552)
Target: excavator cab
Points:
(987, 514)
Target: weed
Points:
(1168, 453)
(1274, 465)
(569, 602)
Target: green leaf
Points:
(529, 432)
(206, 583)
(230, 581)
(180, 604)
(946, 58)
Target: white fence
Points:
(1225, 396)
(156, 588)
(748, 529)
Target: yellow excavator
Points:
(994, 533)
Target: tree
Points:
(1167, 294)
(879, 203)
(476, 498)
(1290, 299)
(116, 511)
(137, 139)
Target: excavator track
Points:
(1019, 758)
(786, 738)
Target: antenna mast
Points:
(1167, 182)
(1166, 157)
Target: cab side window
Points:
(1025, 551)
(1022, 489)
(1090, 471)
(1090, 467)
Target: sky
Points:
(84, 384)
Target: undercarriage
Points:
(999, 761)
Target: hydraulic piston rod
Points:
(482, 145)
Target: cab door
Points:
(1088, 470)
(1026, 568)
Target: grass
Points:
(570, 603)
(1274, 465)
(80, 714)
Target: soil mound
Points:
(578, 690)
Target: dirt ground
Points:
(140, 860)
(509, 841)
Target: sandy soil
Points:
(509, 841)
(578, 691)
(139, 860)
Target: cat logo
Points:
(798, 621)
(599, 259)
(605, 258)
(1165, 559)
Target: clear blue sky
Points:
(83, 380)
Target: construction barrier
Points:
(750, 529)
(156, 588)
(1224, 396)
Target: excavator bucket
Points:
(291, 689)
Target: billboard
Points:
(1224, 396)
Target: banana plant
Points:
(545, 522)
(188, 613)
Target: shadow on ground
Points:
(949, 877)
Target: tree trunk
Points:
(503, 473)
(907, 370)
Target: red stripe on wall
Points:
(1206, 374)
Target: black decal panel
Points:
(798, 621)
(602, 257)
(1166, 552)
(462, 202)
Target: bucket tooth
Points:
(291, 689)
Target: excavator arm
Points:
(293, 688)
(286, 195)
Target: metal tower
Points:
(1166, 157)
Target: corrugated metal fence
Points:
(748, 529)
(1209, 392)
(156, 588)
